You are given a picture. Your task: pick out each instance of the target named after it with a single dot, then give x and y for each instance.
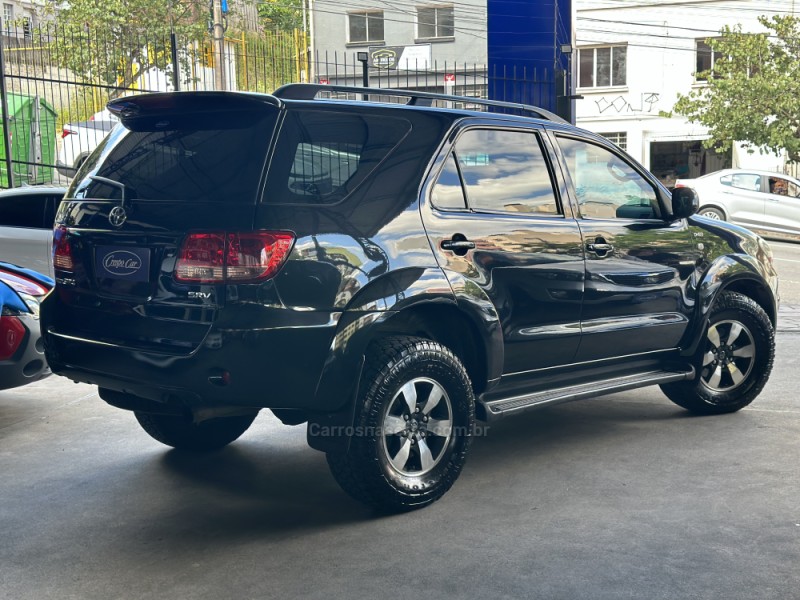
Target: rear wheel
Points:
(184, 434)
(414, 425)
(711, 213)
(735, 361)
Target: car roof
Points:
(722, 172)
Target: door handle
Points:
(600, 247)
(459, 244)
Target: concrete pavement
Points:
(625, 496)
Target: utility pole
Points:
(218, 46)
(312, 59)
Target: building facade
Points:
(418, 42)
(632, 59)
(20, 17)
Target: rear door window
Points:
(745, 181)
(505, 171)
(214, 157)
(322, 156)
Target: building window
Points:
(435, 22)
(602, 67)
(705, 60)
(620, 138)
(8, 17)
(365, 26)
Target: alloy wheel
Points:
(729, 357)
(417, 427)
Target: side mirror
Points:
(684, 203)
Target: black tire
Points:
(734, 361)
(711, 213)
(184, 434)
(400, 458)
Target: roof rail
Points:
(309, 91)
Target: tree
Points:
(114, 42)
(283, 15)
(753, 91)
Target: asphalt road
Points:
(787, 263)
(625, 496)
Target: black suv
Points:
(388, 273)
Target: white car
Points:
(766, 201)
(26, 226)
(79, 139)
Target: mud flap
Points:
(332, 432)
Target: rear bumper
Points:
(276, 368)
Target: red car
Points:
(22, 358)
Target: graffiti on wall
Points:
(620, 104)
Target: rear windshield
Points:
(322, 155)
(215, 157)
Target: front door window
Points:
(606, 187)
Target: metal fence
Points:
(55, 83)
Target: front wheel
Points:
(735, 361)
(183, 433)
(414, 425)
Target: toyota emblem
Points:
(117, 216)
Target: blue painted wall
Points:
(525, 61)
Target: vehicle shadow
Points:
(262, 485)
(581, 425)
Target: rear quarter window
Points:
(321, 156)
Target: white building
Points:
(20, 17)
(632, 60)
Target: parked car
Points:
(26, 225)
(22, 358)
(79, 139)
(761, 200)
(388, 274)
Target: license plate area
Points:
(122, 263)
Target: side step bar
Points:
(496, 409)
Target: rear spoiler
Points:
(146, 105)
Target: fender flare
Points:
(369, 311)
(725, 272)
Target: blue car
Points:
(22, 358)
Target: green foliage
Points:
(753, 94)
(113, 42)
(274, 50)
(281, 15)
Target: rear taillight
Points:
(12, 332)
(222, 257)
(65, 132)
(679, 185)
(62, 252)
